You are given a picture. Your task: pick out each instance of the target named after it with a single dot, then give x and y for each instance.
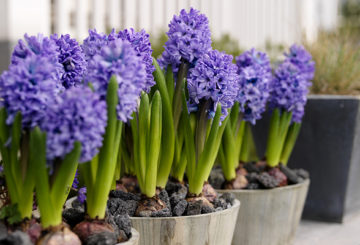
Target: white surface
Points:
(321, 233)
(252, 22)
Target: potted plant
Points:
(334, 100)
(272, 195)
(165, 210)
(54, 122)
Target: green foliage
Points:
(337, 63)
(227, 44)
(11, 214)
(157, 43)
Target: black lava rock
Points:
(125, 196)
(163, 195)
(180, 208)
(73, 216)
(253, 186)
(267, 180)
(16, 238)
(216, 178)
(3, 230)
(177, 196)
(102, 238)
(205, 209)
(194, 208)
(302, 173)
(172, 186)
(228, 197)
(251, 167)
(290, 174)
(123, 223)
(219, 203)
(117, 206)
(252, 177)
(161, 213)
(76, 204)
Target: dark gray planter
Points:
(329, 148)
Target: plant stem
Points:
(167, 142)
(154, 147)
(279, 125)
(290, 141)
(201, 128)
(182, 74)
(106, 168)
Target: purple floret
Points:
(82, 194)
(72, 58)
(255, 76)
(141, 43)
(289, 90)
(303, 60)
(93, 44)
(118, 58)
(38, 46)
(77, 116)
(189, 39)
(28, 87)
(214, 78)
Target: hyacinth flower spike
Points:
(189, 38)
(26, 88)
(212, 87)
(118, 75)
(237, 144)
(71, 132)
(287, 100)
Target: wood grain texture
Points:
(206, 229)
(269, 217)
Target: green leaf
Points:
(11, 214)
(154, 146)
(168, 142)
(143, 140)
(65, 177)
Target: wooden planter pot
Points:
(134, 240)
(328, 147)
(269, 217)
(210, 229)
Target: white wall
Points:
(252, 22)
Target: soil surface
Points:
(256, 175)
(171, 201)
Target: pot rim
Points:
(260, 191)
(134, 237)
(334, 96)
(236, 205)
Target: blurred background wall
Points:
(250, 23)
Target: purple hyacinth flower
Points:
(303, 60)
(289, 90)
(255, 76)
(81, 197)
(72, 58)
(28, 87)
(189, 39)
(94, 43)
(39, 46)
(75, 183)
(214, 78)
(77, 116)
(118, 58)
(141, 43)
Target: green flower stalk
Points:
(168, 142)
(279, 126)
(99, 172)
(19, 174)
(146, 128)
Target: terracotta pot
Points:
(269, 217)
(211, 229)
